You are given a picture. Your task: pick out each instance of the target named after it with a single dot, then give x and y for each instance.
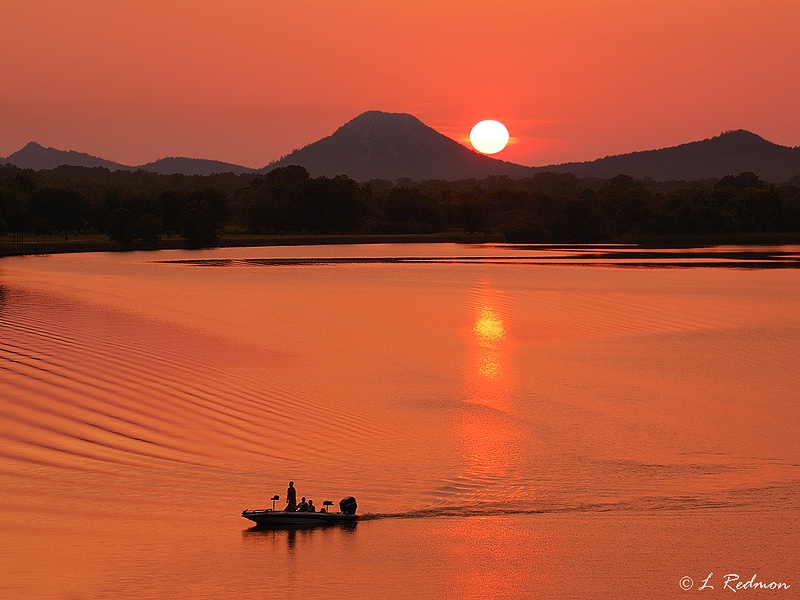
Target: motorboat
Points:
(269, 517)
(283, 518)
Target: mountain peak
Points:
(170, 165)
(373, 116)
(385, 128)
(740, 134)
(35, 156)
(741, 137)
(383, 145)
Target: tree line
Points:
(546, 208)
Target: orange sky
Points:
(246, 81)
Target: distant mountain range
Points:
(37, 157)
(379, 145)
(730, 153)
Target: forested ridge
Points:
(139, 207)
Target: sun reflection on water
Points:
(493, 444)
(490, 333)
(488, 376)
(489, 327)
(488, 433)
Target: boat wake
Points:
(781, 497)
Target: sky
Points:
(248, 81)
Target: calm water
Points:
(514, 422)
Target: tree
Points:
(409, 205)
(623, 200)
(149, 228)
(172, 203)
(522, 226)
(285, 176)
(214, 200)
(790, 215)
(471, 214)
(121, 227)
(199, 224)
(15, 207)
(65, 208)
(285, 199)
(741, 181)
(42, 226)
(548, 182)
(329, 205)
(263, 207)
(579, 220)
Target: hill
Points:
(37, 157)
(193, 166)
(380, 145)
(730, 153)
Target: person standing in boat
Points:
(291, 498)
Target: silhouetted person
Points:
(311, 507)
(303, 506)
(291, 498)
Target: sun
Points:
(489, 137)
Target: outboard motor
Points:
(348, 505)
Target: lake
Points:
(514, 421)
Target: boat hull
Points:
(282, 519)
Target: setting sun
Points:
(489, 137)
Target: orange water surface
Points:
(514, 421)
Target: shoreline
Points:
(35, 248)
